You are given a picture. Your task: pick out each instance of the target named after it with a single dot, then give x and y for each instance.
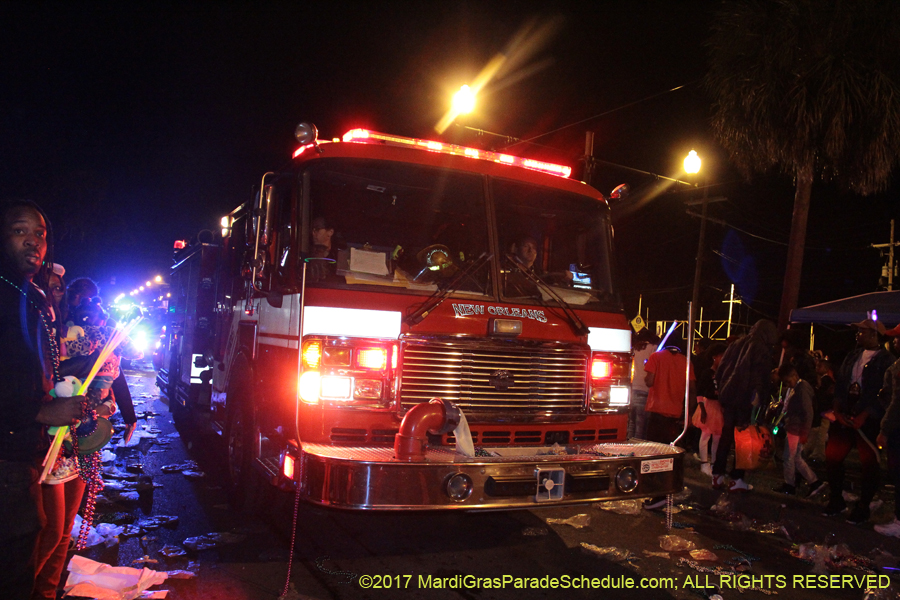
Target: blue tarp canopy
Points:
(852, 310)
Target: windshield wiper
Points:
(439, 296)
(575, 322)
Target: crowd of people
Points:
(770, 384)
(51, 336)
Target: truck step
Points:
(270, 467)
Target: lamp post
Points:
(692, 167)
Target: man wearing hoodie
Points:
(743, 379)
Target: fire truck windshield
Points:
(563, 239)
(410, 228)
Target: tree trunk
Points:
(796, 244)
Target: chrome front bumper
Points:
(369, 478)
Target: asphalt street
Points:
(482, 555)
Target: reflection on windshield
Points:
(400, 225)
(560, 238)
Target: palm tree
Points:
(809, 87)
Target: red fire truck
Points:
(401, 324)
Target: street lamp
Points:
(158, 279)
(464, 100)
(692, 163)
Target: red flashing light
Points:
(302, 149)
(180, 244)
(365, 136)
(288, 468)
(601, 368)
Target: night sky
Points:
(137, 124)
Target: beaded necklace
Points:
(45, 326)
(88, 466)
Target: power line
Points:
(603, 114)
(727, 224)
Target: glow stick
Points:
(662, 344)
(111, 345)
(866, 439)
(108, 349)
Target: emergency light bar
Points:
(364, 136)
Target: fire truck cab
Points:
(396, 323)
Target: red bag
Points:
(753, 447)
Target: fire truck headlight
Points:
(309, 387)
(627, 479)
(336, 388)
(599, 398)
(619, 396)
(368, 389)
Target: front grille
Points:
(607, 435)
(514, 379)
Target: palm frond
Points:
(801, 85)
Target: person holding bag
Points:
(744, 377)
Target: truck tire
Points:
(181, 417)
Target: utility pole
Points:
(698, 268)
(589, 159)
(695, 294)
(890, 265)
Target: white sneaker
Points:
(706, 469)
(892, 528)
(739, 485)
(654, 503)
